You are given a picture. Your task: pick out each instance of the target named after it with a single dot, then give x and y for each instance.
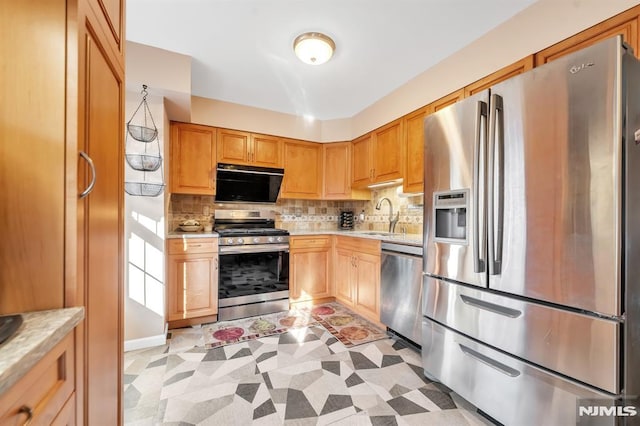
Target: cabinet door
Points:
(110, 16)
(414, 149)
(101, 226)
(32, 155)
(310, 274)
(192, 162)
(367, 300)
(388, 151)
(233, 146)
(344, 276)
(361, 168)
(302, 170)
(625, 24)
(337, 171)
(445, 101)
(266, 151)
(524, 64)
(192, 286)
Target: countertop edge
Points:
(43, 341)
(409, 239)
(199, 234)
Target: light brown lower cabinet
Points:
(357, 275)
(310, 267)
(45, 395)
(192, 278)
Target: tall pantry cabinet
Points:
(100, 225)
(62, 85)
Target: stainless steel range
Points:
(254, 264)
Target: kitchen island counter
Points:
(40, 332)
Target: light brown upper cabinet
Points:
(445, 101)
(524, 64)
(414, 158)
(361, 161)
(337, 173)
(110, 17)
(192, 163)
(388, 152)
(413, 124)
(626, 24)
(302, 170)
(378, 156)
(237, 147)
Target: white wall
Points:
(541, 25)
(144, 297)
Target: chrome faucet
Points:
(392, 220)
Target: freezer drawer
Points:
(509, 390)
(579, 346)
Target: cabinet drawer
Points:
(193, 245)
(316, 241)
(44, 390)
(364, 245)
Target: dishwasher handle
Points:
(393, 248)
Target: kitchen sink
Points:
(375, 233)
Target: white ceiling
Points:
(242, 50)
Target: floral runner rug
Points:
(348, 327)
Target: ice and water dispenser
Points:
(451, 209)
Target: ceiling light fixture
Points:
(314, 48)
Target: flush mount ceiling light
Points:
(313, 48)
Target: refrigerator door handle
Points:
(491, 307)
(479, 174)
(502, 368)
(496, 184)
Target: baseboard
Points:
(145, 342)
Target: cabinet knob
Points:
(29, 412)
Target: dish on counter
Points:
(190, 225)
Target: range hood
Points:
(247, 184)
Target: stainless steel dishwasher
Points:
(401, 290)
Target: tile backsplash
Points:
(312, 215)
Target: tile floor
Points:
(302, 377)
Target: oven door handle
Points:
(258, 248)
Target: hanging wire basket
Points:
(143, 189)
(144, 129)
(144, 162)
(141, 133)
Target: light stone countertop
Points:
(199, 234)
(39, 333)
(407, 239)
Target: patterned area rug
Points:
(228, 332)
(348, 327)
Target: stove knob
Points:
(256, 240)
(240, 241)
(229, 240)
(270, 239)
(279, 239)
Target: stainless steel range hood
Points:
(247, 184)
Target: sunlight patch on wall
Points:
(146, 273)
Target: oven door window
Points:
(246, 274)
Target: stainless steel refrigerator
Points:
(531, 239)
